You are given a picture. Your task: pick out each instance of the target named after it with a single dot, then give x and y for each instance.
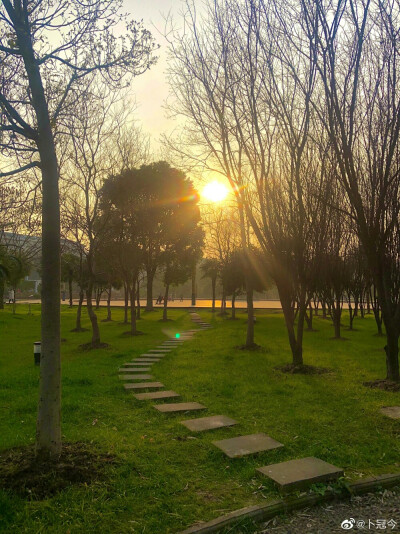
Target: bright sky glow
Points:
(215, 191)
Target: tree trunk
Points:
(378, 320)
(323, 304)
(92, 316)
(70, 291)
(165, 309)
(133, 308)
(368, 303)
(233, 316)
(99, 292)
(288, 312)
(336, 316)
(250, 319)
(1, 293)
(138, 300)
(78, 326)
(392, 351)
(300, 331)
(109, 303)
(48, 427)
(14, 304)
(351, 315)
(126, 306)
(213, 286)
(309, 318)
(223, 302)
(149, 299)
(194, 285)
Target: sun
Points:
(215, 191)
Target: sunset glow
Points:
(215, 191)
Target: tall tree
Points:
(249, 117)
(355, 46)
(41, 80)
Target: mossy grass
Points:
(164, 477)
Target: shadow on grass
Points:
(293, 369)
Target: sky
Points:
(150, 88)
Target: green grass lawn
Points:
(166, 478)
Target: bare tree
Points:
(41, 76)
(356, 48)
(249, 117)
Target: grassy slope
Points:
(165, 480)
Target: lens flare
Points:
(215, 191)
(177, 336)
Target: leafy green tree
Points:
(154, 218)
(160, 189)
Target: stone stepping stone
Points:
(164, 351)
(152, 355)
(179, 407)
(156, 395)
(146, 360)
(136, 377)
(133, 369)
(143, 364)
(298, 474)
(391, 411)
(145, 385)
(244, 445)
(208, 423)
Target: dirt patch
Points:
(37, 479)
(386, 385)
(253, 347)
(80, 330)
(90, 346)
(292, 369)
(129, 333)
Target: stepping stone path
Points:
(145, 385)
(133, 369)
(179, 407)
(157, 395)
(391, 411)
(136, 377)
(297, 474)
(139, 363)
(290, 475)
(244, 445)
(208, 423)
